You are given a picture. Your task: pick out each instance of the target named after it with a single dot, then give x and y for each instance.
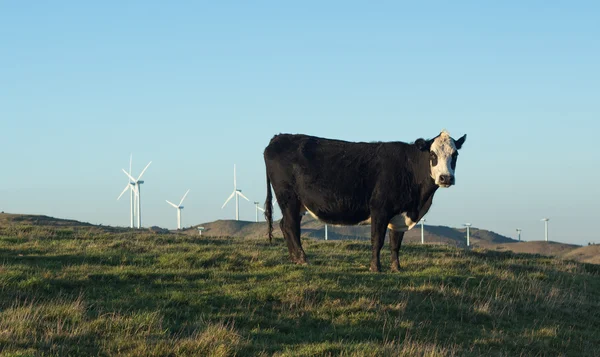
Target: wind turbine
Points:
(136, 183)
(545, 220)
(468, 225)
(179, 208)
(257, 208)
(422, 221)
(519, 233)
(130, 186)
(235, 193)
(325, 231)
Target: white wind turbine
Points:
(468, 225)
(138, 193)
(179, 208)
(237, 193)
(422, 221)
(130, 186)
(545, 220)
(257, 209)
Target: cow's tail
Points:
(269, 209)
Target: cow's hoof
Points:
(301, 260)
(395, 267)
(375, 268)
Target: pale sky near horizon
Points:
(198, 86)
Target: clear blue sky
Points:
(198, 86)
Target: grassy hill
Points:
(312, 228)
(587, 254)
(83, 291)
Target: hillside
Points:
(81, 291)
(535, 247)
(311, 228)
(587, 254)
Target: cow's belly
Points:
(341, 217)
(400, 222)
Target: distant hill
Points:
(587, 254)
(312, 228)
(40, 220)
(535, 247)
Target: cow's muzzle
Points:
(446, 180)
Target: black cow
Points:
(384, 184)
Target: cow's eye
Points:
(433, 158)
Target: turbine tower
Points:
(545, 220)
(131, 187)
(257, 208)
(468, 225)
(422, 221)
(138, 193)
(326, 231)
(179, 208)
(519, 233)
(237, 193)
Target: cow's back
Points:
(333, 179)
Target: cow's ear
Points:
(423, 145)
(459, 143)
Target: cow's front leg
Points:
(378, 228)
(395, 243)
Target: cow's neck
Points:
(425, 183)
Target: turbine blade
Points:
(144, 170)
(188, 191)
(172, 204)
(262, 209)
(128, 175)
(125, 190)
(241, 194)
(229, 199)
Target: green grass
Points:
(82, 291)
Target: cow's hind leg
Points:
(378, 229)
(395, 243)
(290, 226)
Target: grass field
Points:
(77, 291)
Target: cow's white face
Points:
(443, 153)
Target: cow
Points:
(384, 184)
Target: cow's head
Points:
(443, 152)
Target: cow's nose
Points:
(447, 179)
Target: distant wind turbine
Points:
(179, 208)
(468, 225)
(136, 183)
(237, 193)
(326, 231)
(422, 221)
(545, 220)
(131, 187)
(257, 209)
(519, 233)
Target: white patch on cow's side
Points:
(312, 213)
(366, 222)
(443, 146)
(401, 222)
